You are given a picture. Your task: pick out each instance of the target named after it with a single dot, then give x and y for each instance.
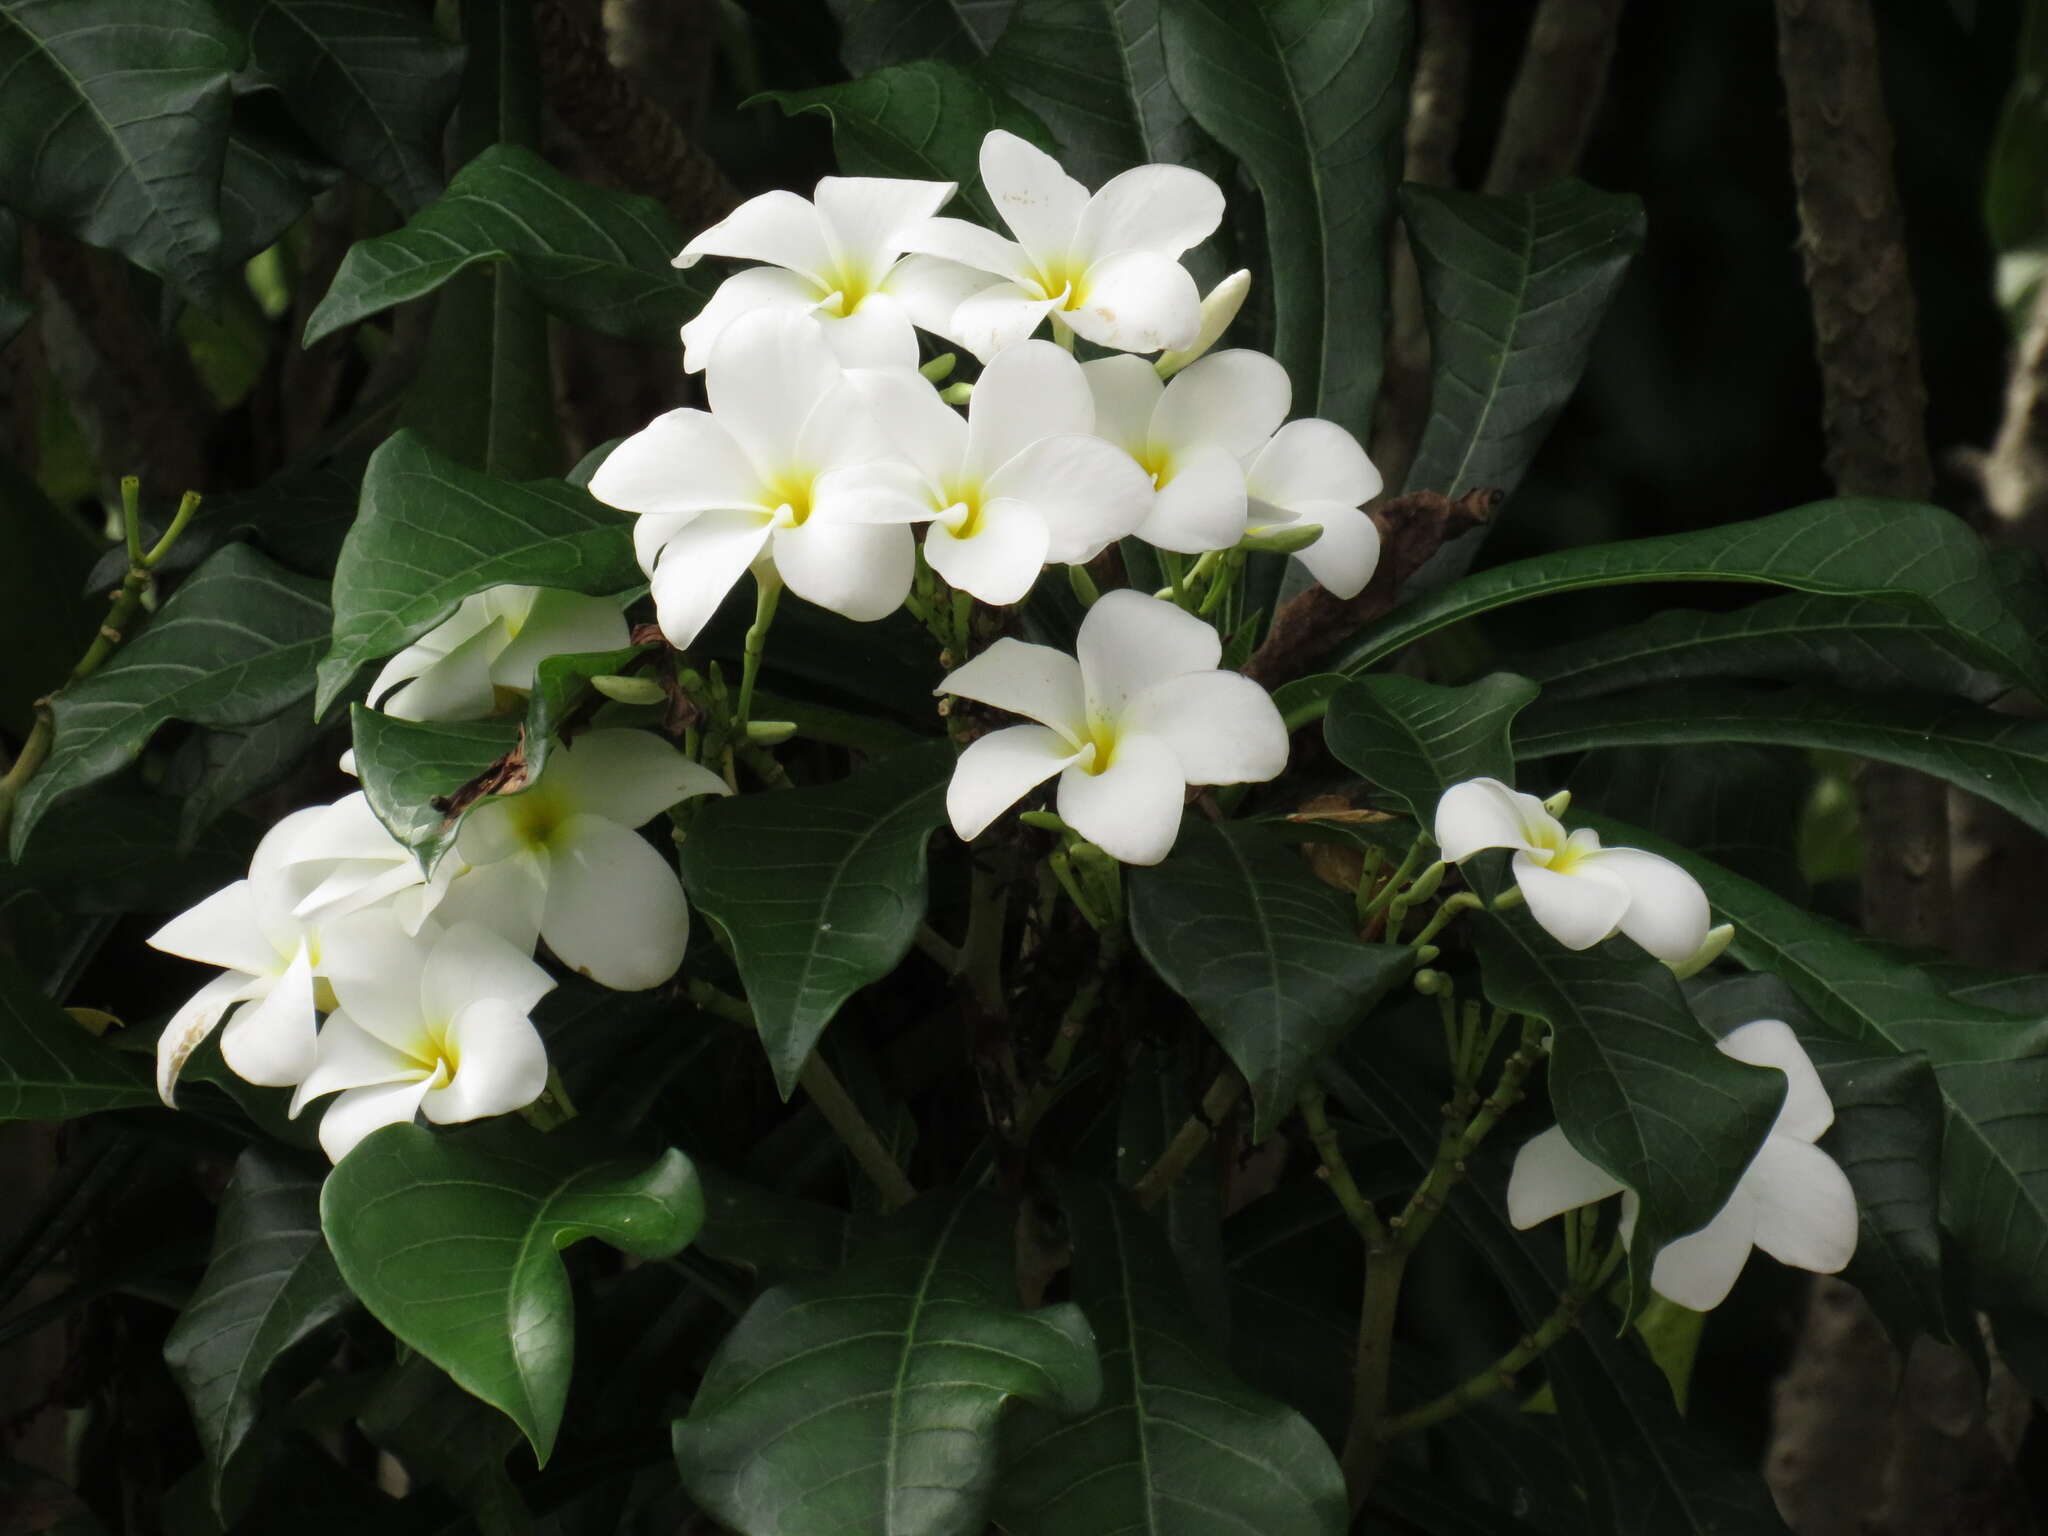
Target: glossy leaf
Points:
(593, 256)
(52, 1067)
(1740, 806)
(123, 851)
(1858, 547)
(1179, 1446)
(1415, 739)
(216, 770)
(368, 79)
(1514, 289)
(776, 1236)
(431, 532)
(267, 179)
(451, 1242)
(875, 33)
(820, 889)
(1268, 956)
(231, 649)
(924, 120)
(116, 125)
(269, 1286)
(408, 765)
(1312, 96)
(871, 1400)
(1638, 1083)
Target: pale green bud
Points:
(940, 368)
(769, 733)
(1558, 803)
(1710, 950)
(957, 394)
(1282, 538)
(1218, 310)
(629, 690)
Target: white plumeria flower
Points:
(1219, 307)
(775, 472)
(1313, 473)
(604, 900)
(1580, 892)
(1793, 1201)
(1021, 482)
(434, 1024)
(1107, 266)
(837, 257)
(1128, 726)
(480, 660)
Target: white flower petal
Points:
(1699, 1271)
(998, 770)
(1035, 681)
(507, 896)
(1222, 726)
(1579, 909)
(359, 1111)
(270, 1041)
(615, 909)
(1312, 460)
(1131, 810)
(559, 624)
(1808, 1111)
(1551, 1176)
(456, 687)
(1031, 391)
(1089, 493)
(1000, 316)
(699, 566)
(1135, 301)
(779, 228)
(1235, 400)
(1805, 1207)
(682, 461)
(1219, 307)
(922, 427)
(1000, 560)
(223, 930)
(627, 776)
(349, 1056)
(877, 333)
(469, 964)
(374, 968)
(886, 491)
(768, 372)
(1164, 209)
(1348, 552)
(1667, 911)
(840, 431)
(195, 1019)
(969, 245)
(500, 1065)
(861, 571)
(1126, 392)
(1129, 641)
(868, 219)
(931, 288)
(1201, 507)
(1040, 202)
(1485, 813)
(741, 294)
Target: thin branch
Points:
(1557, 94)
(1189, 1140)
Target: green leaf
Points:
(924, 120)
(1150, 1111)
(1513, 289)
(871, 1400)
(1638, 1083)
(1415, 739)
(1179, 1446)
(267, 179)
(15, 309)
(52, 1067)
(1741, 806)
(820, 889)
(50, 615)
(368, 79)
(1860, 547)
(408, 765)
(232, 648)
(593, 256)
(451, 1241)
(1312, 96)
(449, 1439)
(875, 33)
(1268, 956)
(214, 771)
(116, 124)
(776, 1236)
(431, 532)
(269, 1286)
(123, 851)
(2018, 167)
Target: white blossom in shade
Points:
(1128, 725)
(837, 257)
(1192, 435)
(608, 904)
(481, 659)
(1578, 891)
(1106, 265)
(434, 1023)
(1314, 473)
(1219, 307)
(1020, 482)
(1793, 1201)
(786, 469)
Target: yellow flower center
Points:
(1063, 279)
(960, 508)
(1099, 746)
(790, 493)
(847, 289)
(1157, 461)
(537, 816)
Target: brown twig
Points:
(1557, 94)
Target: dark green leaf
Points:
(820, 889)
(1268, 955)
(408, 765)
(1179, 1446)
(875, 33)
(369, 81)
(871, 1400)
(232, 648)
(299, 519)
(122, 851)
(15, 309)
(217, 770)
(1426, 1504)
(1738, 805)
(777, 1236)
(449, 1439)
(269, 1285)
(560, 684)
(594, 256)
(1415, 739)
(1638, 1083)
(1311, 95)
(925, 121)
(2018, 165)
(52, 1067)
(1514, 288)
(431, 532)
(116, 124)
(267, 180)
(1160, 1083)
(1907, 551)
(451, 1241)
(50, 617)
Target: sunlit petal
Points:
(1202, 507)
(699, 566)
(1031, 391)
(1222, 726)
(500, 1065)
(1129, 642)
(741, 294)
(1135, 301)
(468, 964)
(615, 909)
(1000, 560)
(861, 571)
(1164, 209)
(1578, 909)
(1126, 392)
(270, 1040)
(779, 228)
(1131, 810)
(682, 461)
(1667, 911)
(628, 776)
(359, 1111)
(998, 770)
(1235, 400)
(1348, 552)
(1040, 202)
(1035, 681)
(1089, 493)
(1485, 813)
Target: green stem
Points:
(1336, 1171)
(1060, 1054)
(1441, 919)
(981, 949)
(941, 954)
(1370, 906)
(1189, 1140)
(767, 592)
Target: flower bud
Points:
(1219, 308)
(769, 733)
(1558, 803)
(957, 394)
(940, 368)
(629, 690)
(1282, 538)
(1710, 949)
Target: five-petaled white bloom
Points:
(1107, 266)
(482, 658)
(1140, 715)
(774, 472)
(602, 898)
(1314, 473)
(838, 257)
(1580, 892)
(1019, 483)
(1793, 1201)
(433, 1024)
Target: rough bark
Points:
(1557, 94)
